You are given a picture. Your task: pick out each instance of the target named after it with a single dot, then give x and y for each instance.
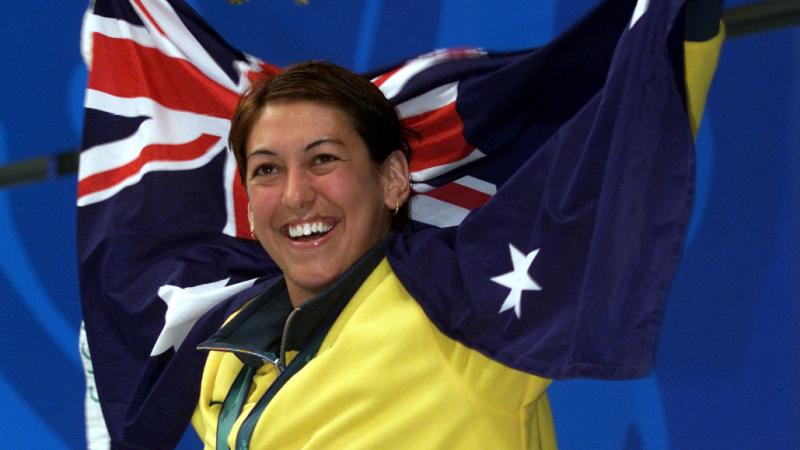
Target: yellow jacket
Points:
(385, 377)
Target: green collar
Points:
(267, 321)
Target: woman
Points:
(324, 159)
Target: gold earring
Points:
(396, 208)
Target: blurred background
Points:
(728, 367)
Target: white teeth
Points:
(307, 229)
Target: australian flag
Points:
(553, 188)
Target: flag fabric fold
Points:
(563, 273)
(568, 167)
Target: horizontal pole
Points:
(762, 16)
(39, 168)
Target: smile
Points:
(309, 229)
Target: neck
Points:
(299, 296)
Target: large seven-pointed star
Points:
(518, 279)
(186, 305)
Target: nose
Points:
(298, 192)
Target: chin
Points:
(311, 281)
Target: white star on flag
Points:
(186, 305)
(518, 279)
(638, 11)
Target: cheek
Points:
(263, 203)
(355, 192)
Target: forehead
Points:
(288, 123)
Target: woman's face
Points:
(317, 200)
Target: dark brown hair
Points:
(372, 116)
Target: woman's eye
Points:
(264, 169)
(324, 158)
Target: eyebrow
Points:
(317, 143)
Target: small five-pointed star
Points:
(517, 280)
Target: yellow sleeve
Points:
(700, 64)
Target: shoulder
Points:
(386, 321)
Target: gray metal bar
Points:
(39, 168)
(24, 171)
(763, 16)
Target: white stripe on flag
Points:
(165, 126)
(433, 172)
(398, 80)
(119, 29)
(152, 166)
(467, 181)
(429, 101)
(436, 212)
(179, 39)
(477, 184)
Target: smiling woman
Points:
(319, 195)
(317, 200)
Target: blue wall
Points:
(729, 358)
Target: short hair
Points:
(371, 115)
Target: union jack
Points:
(177, 129)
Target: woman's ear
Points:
(252, 223)
(397, 187)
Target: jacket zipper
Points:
(260, 356)
(281, 362)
